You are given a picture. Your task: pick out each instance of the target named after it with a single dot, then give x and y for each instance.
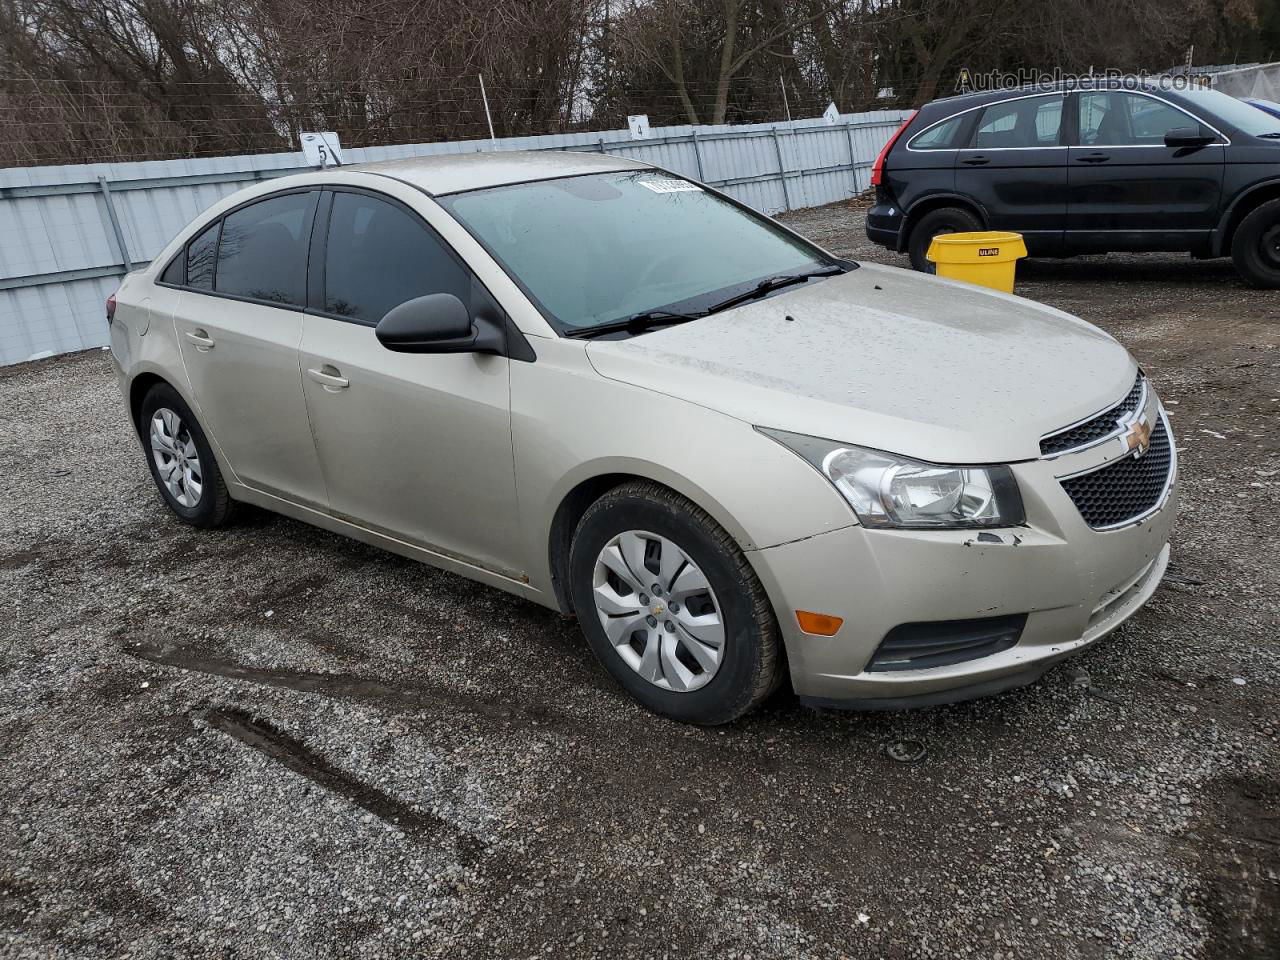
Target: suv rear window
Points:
(1026, 122)
(941, 136)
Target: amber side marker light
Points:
(819, 624)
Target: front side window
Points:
(1118, 119)
(263, 250)
(599, 248)
(380, 255)
(200, 256)
(1028, 122)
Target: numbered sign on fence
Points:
(639, 125)
(322, 149)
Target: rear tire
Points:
(933, 224)
(181, 460)
(687, 556)
(1255, 248)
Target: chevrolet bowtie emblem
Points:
(1138, 439)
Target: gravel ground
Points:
(269, 741)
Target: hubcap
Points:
(1270, 245)
(176, 457)
(659, 611)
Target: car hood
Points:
(890, 359)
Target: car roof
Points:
(976, 97)
(453, 173)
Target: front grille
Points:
(1124, 489)
(940, 643)
(1104, 424)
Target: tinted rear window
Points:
(263, 250)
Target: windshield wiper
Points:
(636, 323)
(775, 283)
(1269, 136)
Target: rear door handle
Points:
(329, 378)
(201, 339)
(1094, 158)
(975, 161)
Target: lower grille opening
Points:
(939, 643)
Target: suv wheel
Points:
(933, 224)
(1256, 246)
(181, 461)
(671, 607)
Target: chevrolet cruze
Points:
(738, 460)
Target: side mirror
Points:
(1187, 137)
(436, 323)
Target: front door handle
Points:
(1094, 158)
(975, 161)
(201, 339)
(329, 378)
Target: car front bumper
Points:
(1074, 584)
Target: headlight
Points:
(890, 491)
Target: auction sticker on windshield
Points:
(669, 185)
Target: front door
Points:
(1128, 191)
(239, 322)
(1015, 165)
(415, 446)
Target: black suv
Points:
(1119, 165)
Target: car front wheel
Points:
(671, 607)
(1256, 246)
(181, 461)
(933, 224)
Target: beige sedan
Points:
(738, 460)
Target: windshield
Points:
(600, 248)
(1243, 116)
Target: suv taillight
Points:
(111, 308)
(877, 171)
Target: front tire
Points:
(181, 460)
(670, 606)
(1255, 248)
(933, 224)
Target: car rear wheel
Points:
(181, 461)
(1256, 246)
(933, 224)
(670, 606)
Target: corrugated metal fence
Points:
(1261, 81)
(67, 233)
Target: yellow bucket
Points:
(987, 259)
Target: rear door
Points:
(1128, 191)
(239, 322)
(416, 446)
(1015, 165)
